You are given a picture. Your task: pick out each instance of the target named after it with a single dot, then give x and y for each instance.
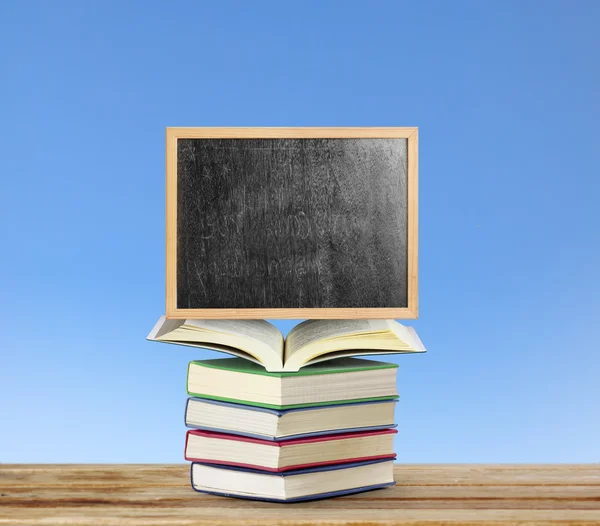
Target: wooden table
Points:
(124, 495)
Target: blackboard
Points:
(294, 222)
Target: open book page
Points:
(313, 331)
(257, 330)
(257, 338)
(334, 355)
(319, 338)
(221, 348)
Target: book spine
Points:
(185, 420)
(187, 437)
(287, 438)
(187, 378)
(327, 437)
(389, 398)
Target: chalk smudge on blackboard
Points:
(291, 223)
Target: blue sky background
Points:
(506, 98)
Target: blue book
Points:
(292, 486)
(288, 424)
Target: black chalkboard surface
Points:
(291, 222)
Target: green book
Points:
(339, 381)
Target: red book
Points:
(233, 450)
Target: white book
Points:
(307, 484)
(308, 343)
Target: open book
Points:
(309, 342)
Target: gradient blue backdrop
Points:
(506, 98)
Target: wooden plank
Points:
(405, 474)
(293, 133)
(446, 498)
(291, 516)
(424, 494)
(413, 225)
(171, 222)
(398, 493)
(294, 314)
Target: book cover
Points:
(287, 443)
(280, 413)
(291, 406)
(316, 496)
(340, 365)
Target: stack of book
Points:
(295, 419)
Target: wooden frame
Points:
(173, 134)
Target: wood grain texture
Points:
(292, 132)
(292, 223)
(128, 495)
